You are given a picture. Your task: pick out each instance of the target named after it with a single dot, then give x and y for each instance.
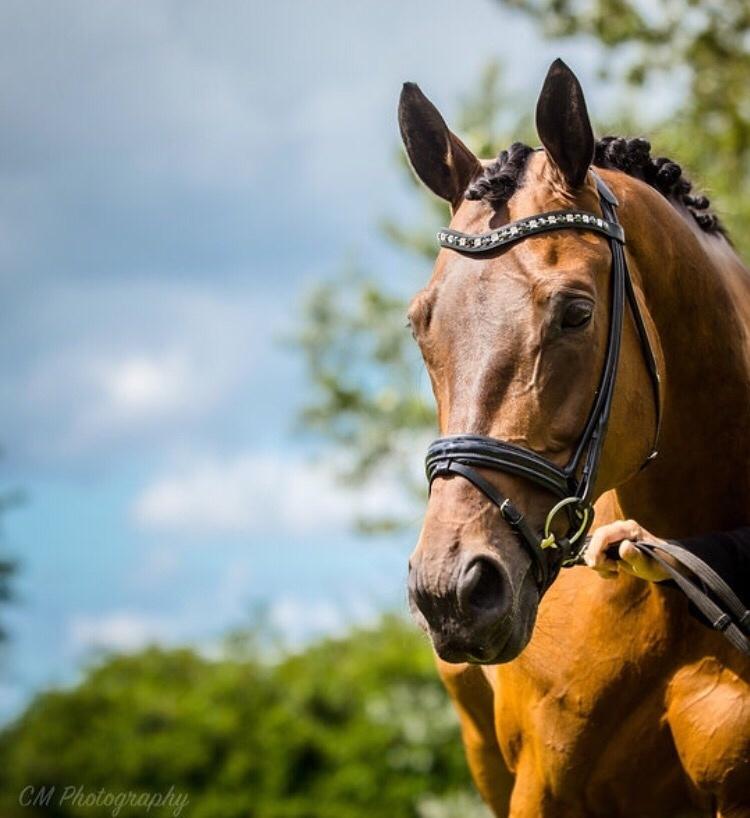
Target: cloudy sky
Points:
(173, 176)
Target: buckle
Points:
(510, 513)
(722, 623)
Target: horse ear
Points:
(439, 158)
(563, 124)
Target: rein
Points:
(709, 593)
(572, 484)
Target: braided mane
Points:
(500, 180)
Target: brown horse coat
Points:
(609, 699)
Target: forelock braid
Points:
(500, 180)
(633, 156)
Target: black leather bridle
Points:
(572, 484)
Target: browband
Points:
(530, 226)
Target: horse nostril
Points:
(481, 586)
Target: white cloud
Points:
(296, 617)
(137, 390)
(120, 630)
(131, 365)
(299, 619)
(255, 493)
(139, 385)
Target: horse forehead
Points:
(484, 286)
(533, 270)
(542, 261)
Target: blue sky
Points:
(173, 177)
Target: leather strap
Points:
(591, 442)
(650, 359)
(511, 514)
(486, 452)
(706, 590)
(710, 594)
(530, 226)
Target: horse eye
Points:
(577, 314)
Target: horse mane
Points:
(500, 179)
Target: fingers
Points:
(633, 560)
(640, 565)
(629, 558)
(596, 555)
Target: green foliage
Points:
(703, 42)
(365, 373)
(369, 398)
(348, 727)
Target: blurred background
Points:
(212, 417)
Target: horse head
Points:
(515, 339)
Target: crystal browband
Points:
(541, 223)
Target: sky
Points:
(174, 177)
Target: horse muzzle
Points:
(467, 608)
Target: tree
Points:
(347, 727)
(699, 46)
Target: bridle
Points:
(572, 484)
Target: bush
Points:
(349, 727)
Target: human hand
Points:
(631, 560)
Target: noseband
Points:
(572, 484)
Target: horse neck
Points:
(698, 294)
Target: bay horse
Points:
(585, 698)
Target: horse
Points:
(587, 697)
